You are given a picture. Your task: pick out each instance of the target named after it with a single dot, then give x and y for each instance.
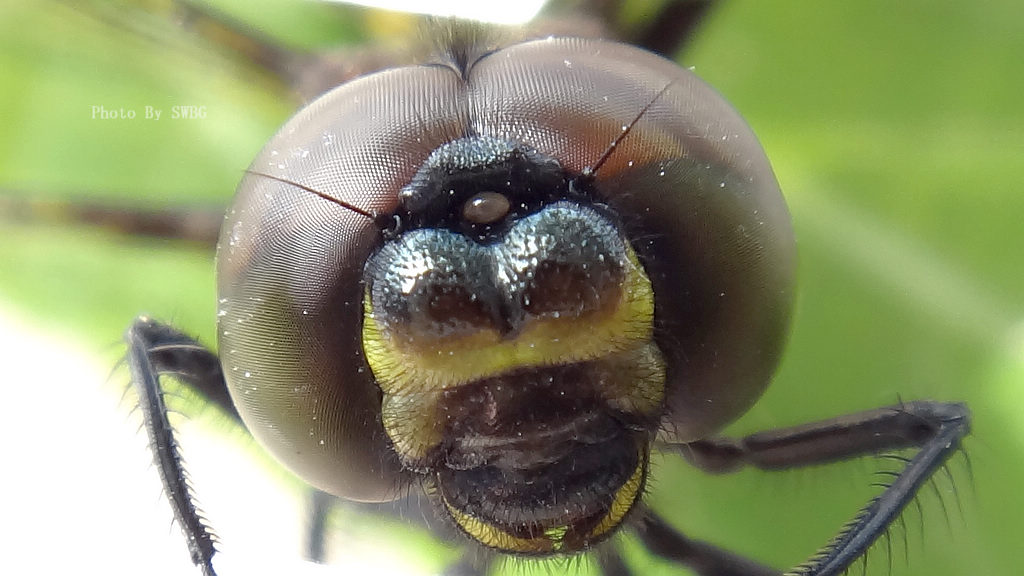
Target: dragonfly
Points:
(820, 412)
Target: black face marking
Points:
(464, 170)
(439, 283)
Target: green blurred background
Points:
(896, 131)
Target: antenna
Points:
(343, 204)
(589, 171)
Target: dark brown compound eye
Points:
(486, 208)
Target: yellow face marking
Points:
(632, 381)
(625, 499)
(401, 368)
(554, 539)
(412, 423)
(494, 537)
(557, 536)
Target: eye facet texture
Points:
(689, 185)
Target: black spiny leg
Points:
(320, 504)
(155, 349)
(611, 562)
(703, 558)
(934, 427)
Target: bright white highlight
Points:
(509, 13)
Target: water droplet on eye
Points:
(235, 237)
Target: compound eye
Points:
(486, 208)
